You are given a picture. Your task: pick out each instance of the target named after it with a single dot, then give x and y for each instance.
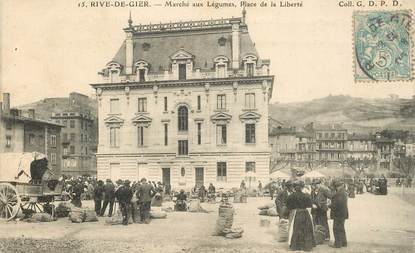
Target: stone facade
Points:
(331, 142)
(187, 114)
(361, 146)
(333, 145)
(79, 142)
(22, 132)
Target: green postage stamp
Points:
(382, 44)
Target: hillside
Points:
(356, 113)
(45, 107)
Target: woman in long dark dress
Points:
(301, 235)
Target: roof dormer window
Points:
(114, 70)
(182, 64)
(249, 62)
(142, 68)
(221, 66)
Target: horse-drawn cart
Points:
(26, 184)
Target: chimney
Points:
(6, 103)
(235, 44)
(129, 47)
(31, 113)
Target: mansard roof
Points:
(156, 43)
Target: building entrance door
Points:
(199, 177)
(166, 176)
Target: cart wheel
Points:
(33, 207)
(9, 201)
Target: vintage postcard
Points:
(207, 126)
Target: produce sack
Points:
(319, 234)
(225, 219)
(267, 206)
(116, 219)
(237, 198)
(195, 207)
(63, 209)
(264, 223)
(90, 216)
(233, 233)
(136, 210)
(158, 214)
(283, 230)
(167, 209)
(272, 212)
(157, 200)
(41, 217)
(77, 215)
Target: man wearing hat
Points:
(281, 200)
(339, 213)
(109, 197)
(98, 196)
(319, 197)
(145, 193)
(124, 195)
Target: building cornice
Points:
(184, 26)
(193, 155)
(184, 83)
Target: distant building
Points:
(79, 136)
(317, 145)
(384, 148)
(361, 146)
(284, 144)
(22, 132)
(306, 146)
(331, 142)
(186, 104)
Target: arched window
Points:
(182, 118)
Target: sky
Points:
(50, 48)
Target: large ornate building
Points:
(185, 103)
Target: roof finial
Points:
(130, 21)
(243, 15)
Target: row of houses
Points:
(64, 129)
(22, 132)
(334, 143)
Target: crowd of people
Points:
(305, 206)
(130, 196)
(293, 201)
(134, 198)
(320, 197)
(353, 186)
